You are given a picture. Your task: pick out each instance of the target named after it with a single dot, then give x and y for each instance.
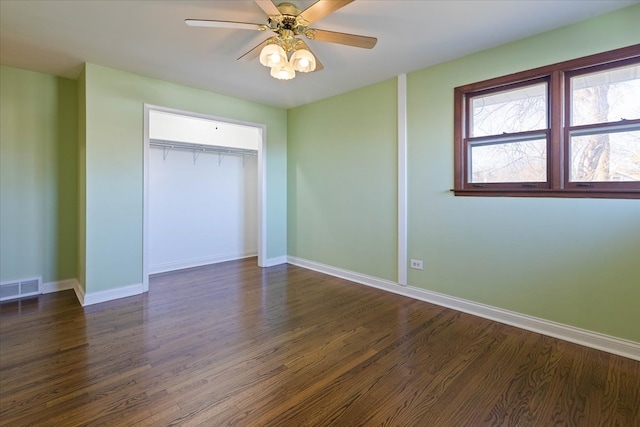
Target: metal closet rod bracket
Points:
(196, 154)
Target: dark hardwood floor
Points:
(233, 344)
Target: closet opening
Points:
(204, 190)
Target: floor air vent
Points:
(20, 288)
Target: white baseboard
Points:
(270, 262)
(63, 285)
(60, 285)
(108, 295)
(79, 290)
(197, 262)
(561, 331)
(343, 274)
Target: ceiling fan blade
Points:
(255, 52)
(300, 44)
(319, 65)
(268, 7)
(322, 8)
(342, 38)
(223, 24)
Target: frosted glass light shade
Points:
(272, 55)
(283, 72)
(303, 61)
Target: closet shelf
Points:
(202, 148)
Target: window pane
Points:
(516, 110)
(522, 161)
(606, 157)
(607, 96)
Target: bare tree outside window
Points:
(505, 113)
(610, 96)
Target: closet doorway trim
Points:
(262, 182)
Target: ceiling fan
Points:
(284, 52)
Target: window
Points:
(566, 130)
(508, 135)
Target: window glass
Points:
(606, 96)
(521, 161)
(605, 157)
(515, 110)
(570, 129)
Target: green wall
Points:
(38, 199)
(342, 181)
(71, 180)
(573, 261)
(114, 167)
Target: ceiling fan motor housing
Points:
(289, 19)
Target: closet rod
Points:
(202, 147)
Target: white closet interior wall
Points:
(202, 205)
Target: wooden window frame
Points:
(557, 183)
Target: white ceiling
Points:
(150, 38)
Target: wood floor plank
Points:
(234, 344)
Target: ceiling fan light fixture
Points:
(273, 55)
(289, 25)
(283, 72)
(303, 61)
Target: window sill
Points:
(569, 193)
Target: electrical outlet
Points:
(417, 264)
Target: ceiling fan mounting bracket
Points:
(290, 9)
